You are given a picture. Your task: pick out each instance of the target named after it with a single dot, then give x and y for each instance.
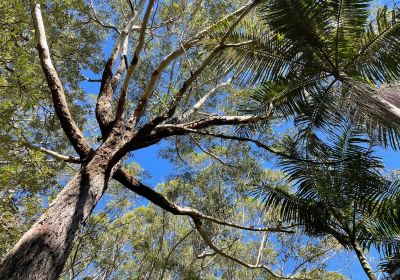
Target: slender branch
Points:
(221, 46)
(97, 20)
(221, 252)
(53, 154)
(213, 253)
(171, 251)
(311, 258)
(134, 62)
(92, 80)
(174, 55)
(68, 124)
(202, 100)
(260, 145)
(209, 153)
(261, 249)
(158, 199)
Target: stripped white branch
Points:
(135, 60)
(177, 53)
(202, 100)
(60, 103)
(53, 154)
(261, 249)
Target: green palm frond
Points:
(305, 24)
(391, 267)
(374, 110)
(287, 96)
(378, 56)
(306, 213)
(345, 182)
(349, 18)
(253, 53)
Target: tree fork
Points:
(42, 251)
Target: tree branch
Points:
(209, 153)
(134, 62)
(175, 54)
(158, 199)
(53, 154)
(97, 20)
(257, 143)
(104, 114)
(68, 124)
(202, 100)
(208, 241)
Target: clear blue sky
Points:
(159, 169)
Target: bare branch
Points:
(311, 258)
(96, 19)
(166, 259)
(263, 146)
(104, 114)
(92, 80)
(134, 62)
(202, 100)
(221, 252)
(261, 249)
(221, 46)
(68, 124)
(158, 199)
(177, 53)
(53, 154)
(210, 154)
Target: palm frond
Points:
(305, 24)
(307, 213)
(378, 56)
(375, 110)
(253, 54)
(349, 19)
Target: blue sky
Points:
(159, 169)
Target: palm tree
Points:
(320, 63)
(313, 57)
(343, 195)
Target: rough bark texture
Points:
(42, 251)
(363, 261)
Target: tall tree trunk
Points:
(363, 261)
(42, 251)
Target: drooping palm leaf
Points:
(349, 19)
(377, 56)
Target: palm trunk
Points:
(42, 251)
(363, 261)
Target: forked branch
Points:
(64, 115)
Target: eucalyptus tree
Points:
(119, 246)
(132, 119)
(159, 86)
(28, 127)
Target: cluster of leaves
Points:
(117, 244)
(318, 64)
(329, 69)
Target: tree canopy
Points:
(271, 114)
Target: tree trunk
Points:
(363, 261)
(43, 250)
